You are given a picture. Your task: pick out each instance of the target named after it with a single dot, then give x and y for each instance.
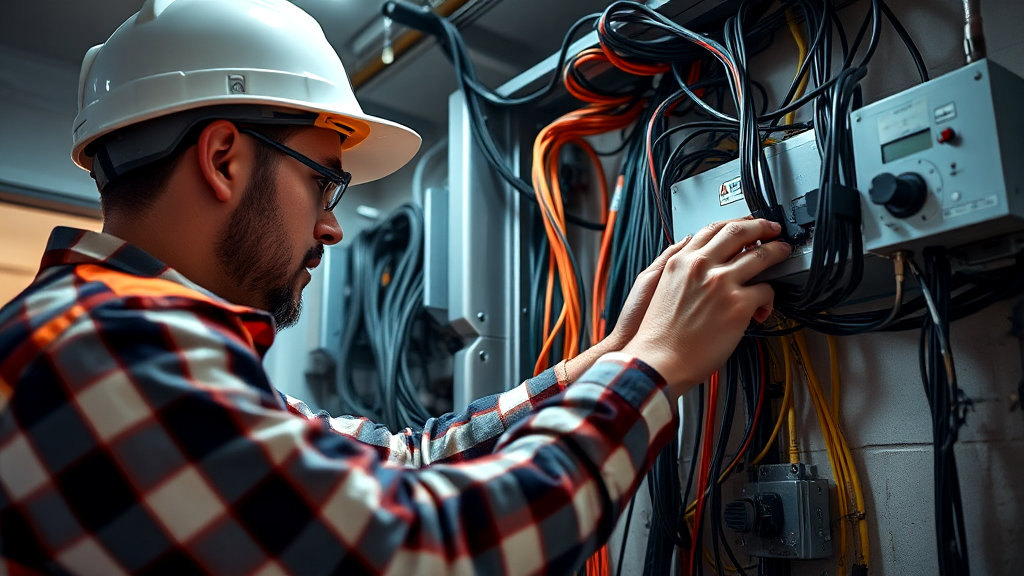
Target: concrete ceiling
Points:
(508, 38)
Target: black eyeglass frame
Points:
(340, 180)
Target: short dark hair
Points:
(138, 190)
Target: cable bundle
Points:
(641, 39)
(746, 368)
(476, 94)
(850, 494)
(386, 299)
(606, 112)
(949, 405)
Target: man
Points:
(138, 431)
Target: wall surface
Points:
(37, 108)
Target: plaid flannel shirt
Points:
(139, 434)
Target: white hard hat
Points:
(207, 58)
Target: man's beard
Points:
(254, 252)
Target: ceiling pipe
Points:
(974, 36)
(403, 43)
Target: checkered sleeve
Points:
(163, 449)
(452, 437)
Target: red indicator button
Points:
(946, 136)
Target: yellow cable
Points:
(794, 444)
(858, 492)
(844, 470)
(833, 362)
(801, 46)
(827, 432)
(787, 401)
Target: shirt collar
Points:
(74, 246)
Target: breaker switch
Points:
(903, 195)
(946, 136)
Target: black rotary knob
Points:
(740, 515)
(903, 195)
(762, 514)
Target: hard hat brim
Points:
(388, 147)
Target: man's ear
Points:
(222, 157)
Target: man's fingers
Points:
(705, 234)
(735, 236)
(763, 297)
(757, 259)
(659, 262)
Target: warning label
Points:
(730, 192)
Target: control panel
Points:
(942, 163)
(783, 513)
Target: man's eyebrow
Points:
(334, 163)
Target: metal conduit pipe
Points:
(974, 36)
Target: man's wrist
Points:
(575, 367)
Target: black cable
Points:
(424, 20)
(476, 94)
(915, 54)
(949, 405)
(625, 535)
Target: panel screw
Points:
(856, 118)
(481, 316)
(483, 356)
(977, 75)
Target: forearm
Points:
(452, 437)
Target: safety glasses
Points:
(332, 185)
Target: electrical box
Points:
(716, 195)
(942, 163)
(783, 513)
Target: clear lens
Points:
(335, 190)
(332, 193)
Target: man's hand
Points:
(639, 298)
(632, 314)
(703, 302)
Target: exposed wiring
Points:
(784, 405)
(844, 471)
(949, 406)
(385, 301)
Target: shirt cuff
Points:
(631, 378)
(562, 374)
